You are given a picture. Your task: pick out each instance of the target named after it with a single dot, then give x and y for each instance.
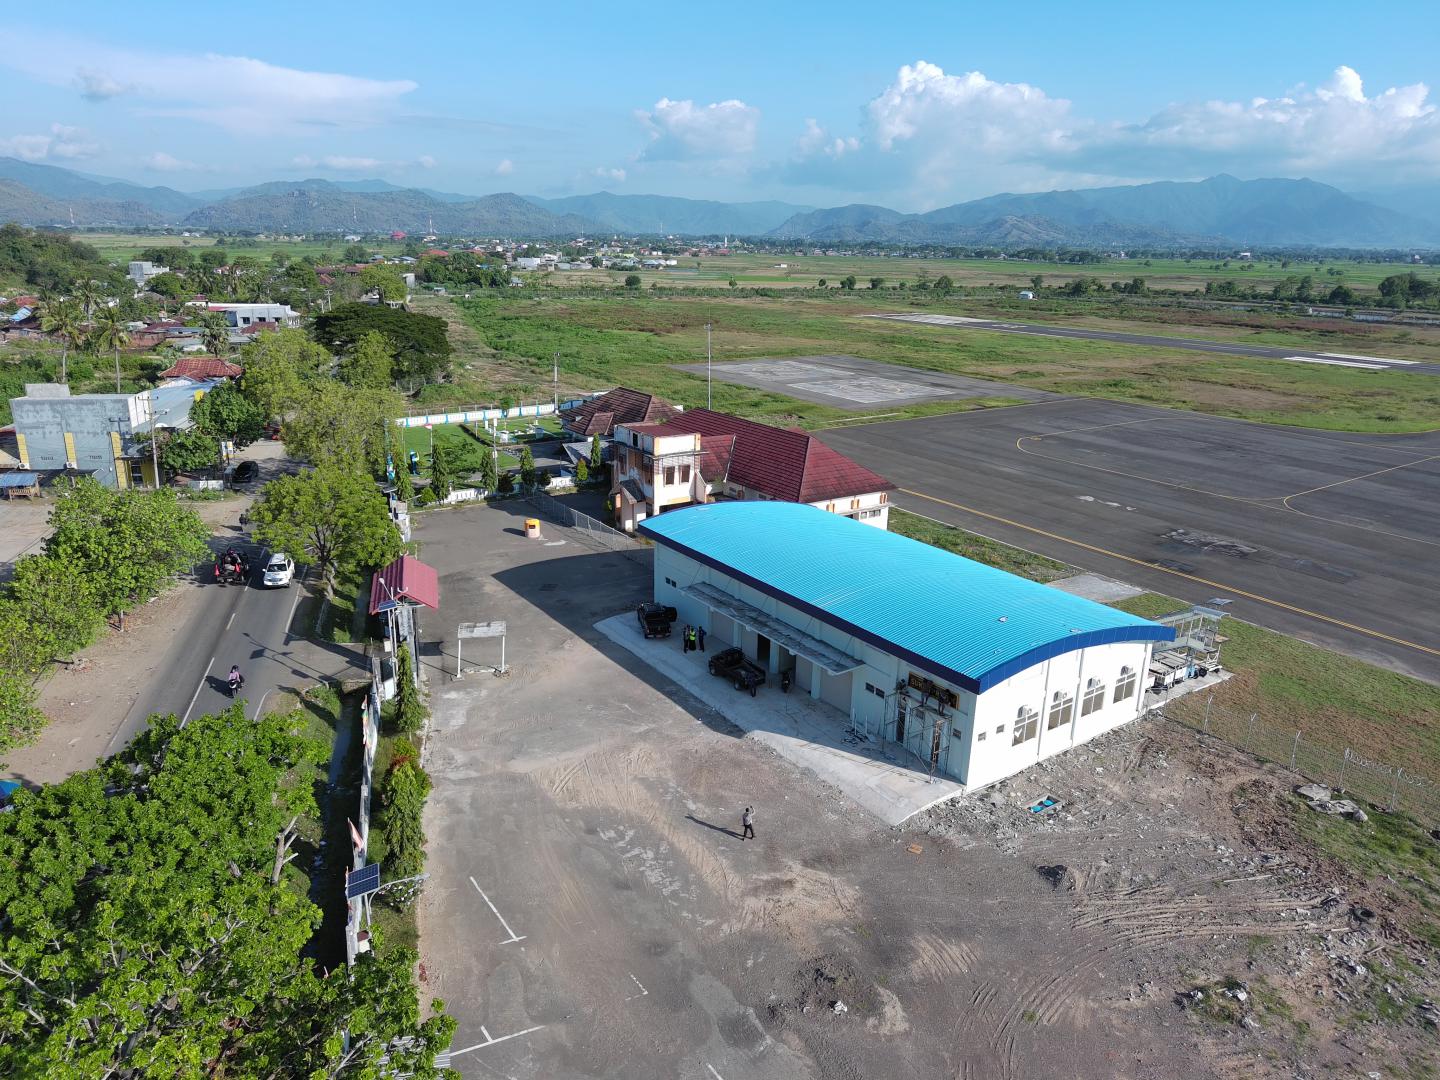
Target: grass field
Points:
(122, 247)
(610, 339)
(981, 549)
(804, 271)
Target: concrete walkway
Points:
(805, 732)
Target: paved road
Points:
(246, 625)
(1328, 536)
(1266, 352)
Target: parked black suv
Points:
(656, 619)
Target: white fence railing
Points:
(479, 414)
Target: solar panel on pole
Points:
(362, 881)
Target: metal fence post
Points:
(1250, 736)
(1205, 726)
(1343, 762)
(1394, 790)
(1294, 749)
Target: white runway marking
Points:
(186, 718)
(1357, 356)
(491, 1041)
(713, 1073)
(643, 992)
(513, 937)
(1337, 363)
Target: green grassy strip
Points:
(981, 549)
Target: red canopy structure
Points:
(407, 580)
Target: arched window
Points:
(1125, 684)
(1061, 706)
(1027, 725)
(1094, 699)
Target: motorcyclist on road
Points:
(236, 680)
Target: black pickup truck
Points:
(743, 674)
(656, 619)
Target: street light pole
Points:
(708, 398)
(154, 440)
(555, 384)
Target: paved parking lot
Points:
(592, 911)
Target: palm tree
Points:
(216, 335)
(62, 319)
(111, 333)
(88, 293)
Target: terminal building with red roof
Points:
(699, 456)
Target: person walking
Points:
(685, 637)
(747, 820)
(700, 637)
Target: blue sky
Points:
(913, 106)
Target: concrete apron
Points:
(805, 732)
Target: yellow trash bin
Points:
(532, 528)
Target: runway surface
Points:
(1265, 352)
(1329, 536)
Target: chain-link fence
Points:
(603, 534)
(1390, 786)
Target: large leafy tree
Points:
(370, 363)
(188, 450)
(278, 367)
(153, 929)
(20, 720)
(422, 348)
(56, 607)
(125, 543)
(327, 516)
(385, 279)
(226, 413)
(345, 426)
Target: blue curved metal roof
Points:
(967, 622)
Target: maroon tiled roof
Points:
(202, 367)
(715, 454)
(599, 415)
(260, 326)
(780, 462)
(663, 428)
(405, 579)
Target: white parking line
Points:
(186, 718)
(643, 992)
(513, 936)
(492, 1041)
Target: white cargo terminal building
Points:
(977, 672)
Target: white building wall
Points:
(872, 508)
(971, 759)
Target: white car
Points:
(279, 570)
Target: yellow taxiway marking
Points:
(1179, 573)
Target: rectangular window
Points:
(1094, 699)
(684, 474)
(854, 504)
(669, 475)
(671, 583)
(978, 738)
(999, 729)
(884, 497)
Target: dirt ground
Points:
(592, 911)
(87, 700)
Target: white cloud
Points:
(97, 86)
(816, 140)
(684, 131)
(160, 161)
(1331, 132)
(237, 93)
(505, 168)
(62, 143)
(346, 163)
(617, 175)
(935, 137)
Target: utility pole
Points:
(708, 398)
(154, 439)
(555, 380)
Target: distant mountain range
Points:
(1223, 209)
(1219, 211)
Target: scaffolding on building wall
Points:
(918, 715)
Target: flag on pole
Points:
(355, 836)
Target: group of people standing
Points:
(693, 637)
